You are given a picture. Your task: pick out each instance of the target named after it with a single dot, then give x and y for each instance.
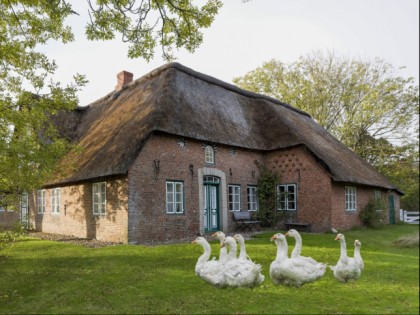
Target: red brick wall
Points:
(8, 218)
(343, 219)
(136, 206)
(298, 166)
(147, 215)
(76, 217)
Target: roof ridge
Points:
(215, 81)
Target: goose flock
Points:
(231, 270)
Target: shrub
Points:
(266, 193)
(10, 236)
(372, 214)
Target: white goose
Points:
(223, 251)
(210, 271)
(347, 268)
(298, 248)
(240, 272)
(357, 256)
(242, 250)
(291, 271)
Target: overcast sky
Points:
(245, 35)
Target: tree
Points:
(29, 142)
(362, 103)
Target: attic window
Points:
(209, 154)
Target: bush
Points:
(266, 193)
(372, 214)
(10, 236)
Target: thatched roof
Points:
(177, 100)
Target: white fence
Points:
(411, 217)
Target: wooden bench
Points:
(302, 227)
(244, 221)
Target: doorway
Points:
(211, 203)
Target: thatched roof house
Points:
(130, 157)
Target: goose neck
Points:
(282, 249)
(343, 252)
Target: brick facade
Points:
(165, 158)
(8, 218)
(76, 217)
(136, 204)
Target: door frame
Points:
(207, 187)
(223, 212)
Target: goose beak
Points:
(214, 234)
(287, 234)
(222, 245)
(273, 238)
(193, 242)
(337, 238)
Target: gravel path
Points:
(71, 239)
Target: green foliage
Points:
(176, 24)
(372, 214)
(9, 236)
(127, 279)
(266, 194)
(29, 142)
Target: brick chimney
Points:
(124, 77)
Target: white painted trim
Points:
(205, 171)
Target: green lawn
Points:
(39, 276)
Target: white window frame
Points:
(174, 197)
(350, 198)
(286, 200)
(234, 197)
(41, 201)
(209, 154)
(252, 199)
(99, 198)
(55, 201)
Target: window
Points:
(99, 198)
(41, 201)
(252, 198)
(55, 201)
(378, 195)
(350, 198)
(209, 154)
(234, 198)
(174, 197)
(286, 197)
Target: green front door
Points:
(391, 208)
(211, 203)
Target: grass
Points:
(48, 277)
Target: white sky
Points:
(244, 35)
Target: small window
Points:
(378, 195)
(252, 198)
(209, 154)
(174, 197)
(99, 198)
(286, 197)
(55, 201)
(350, 198)
(211, 179)
(234, 198)
(40, 201)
